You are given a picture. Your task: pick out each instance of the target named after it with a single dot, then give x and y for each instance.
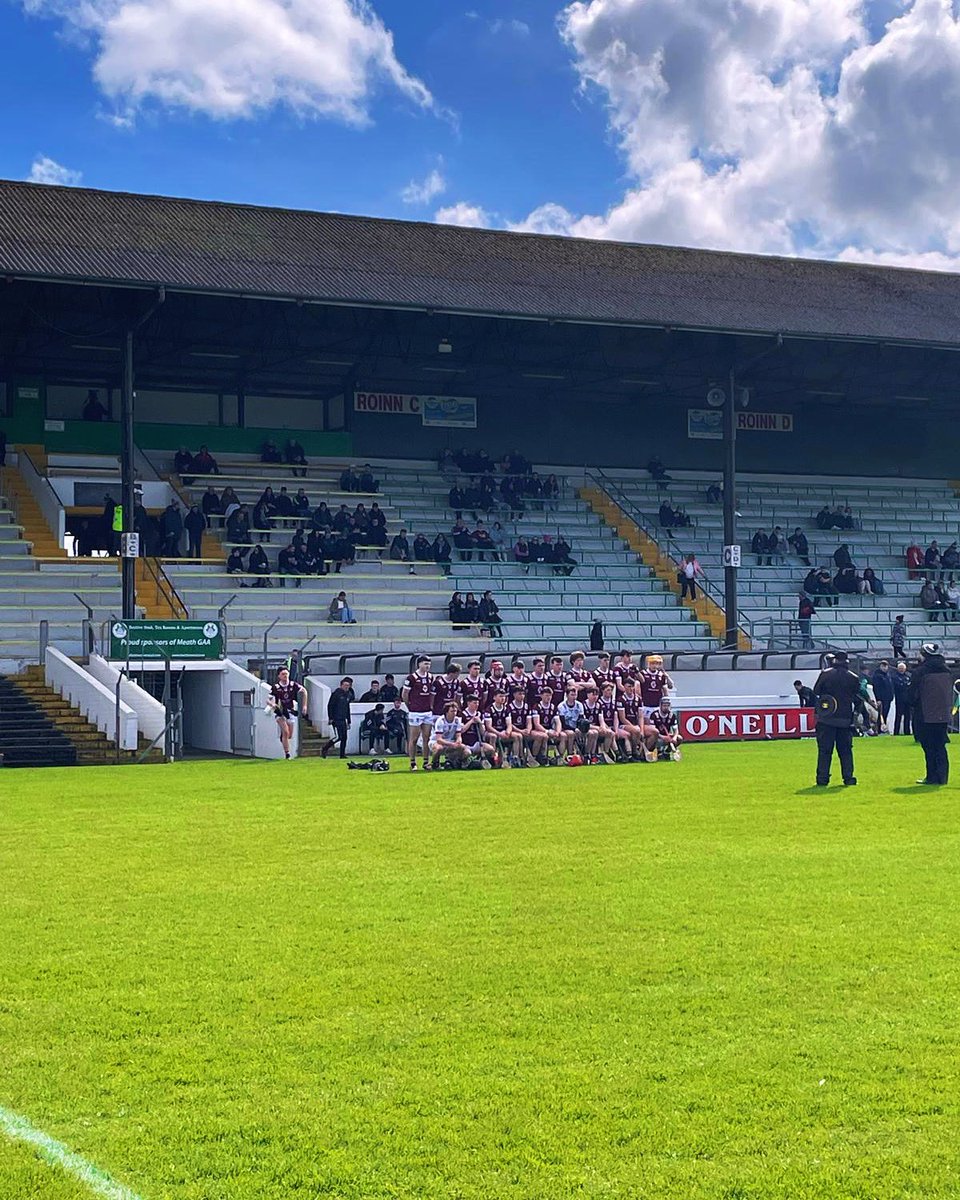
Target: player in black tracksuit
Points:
(835, 728)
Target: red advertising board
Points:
(740, 724)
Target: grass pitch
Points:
(235, 980)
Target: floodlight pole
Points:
(731, 604)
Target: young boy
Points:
(418, 697)
(447, 738)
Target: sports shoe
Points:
(371, 752)
(413, 765)
(850, 783)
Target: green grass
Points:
(250, 980)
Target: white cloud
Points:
(786, 126)
(47, 170)
(425, 190)
(232, 58)
(510, 26)
(471, 215)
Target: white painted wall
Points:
(149, 710)
(95, 701)
(206, 710)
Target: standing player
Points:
(418, 697)
(630, 720)
(283, 699)
(472, 734)
(663, 733)
(557, 679)
(579, 674)
(608, 710)
(571, 715)
(496, 680)
(626, 668)
(517, 678)
(472, 685)
(447, 690)
(447, 737)
(547, 723)
(654, 682)
(604, 674)
(536, 683)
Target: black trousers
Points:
(830, 738)
(688, 586)
(933, 739)
(884, 706)
(194, 539)
(902, 717)
(342, 729)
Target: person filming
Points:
(836, 690)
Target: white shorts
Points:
(649, 709)
(419, 719)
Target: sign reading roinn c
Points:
(458, 412)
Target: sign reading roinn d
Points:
(166, 639)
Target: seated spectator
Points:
(341, 519)
(680, 518)
(498, 538)
(235, 563)
(482, 542)
(488, 613)
(373, 727)
(288, 564)
(210, 505)
(229, 502)
(533, 490)
(389, 692)
(440, 552)
(348, 480)
(456, 611)
(521, 552)
(322, 517)
(538, 552)
(564, 562)
(340, 611)
(665, 515)
(484, 463)
(551, 493)
(930, 600)
(377, 525)
(871, 584)
(838, 517)
(269, 452)
(259, 565)
(841, 557)
(301, 504)
(285, 508)
(825, 589)
(183, 463)
(810, 581)
(914, 561)
(801, 547)
(463, 540)
(372, 694)
(760, 546)
(422, 550)
(714, 494)
(457, 499)
(238, 525)
(931, 560)
(951, 596)
(846, 581)
(778, 544)
(400, 547)
(294, 456)
(824, 518)
(950, 559)
(264, 511)
(366, 482)
(204, 463)
(446, 461)
(396, 722)
(657, 471)
(511, 493)
(471, 609)
(93, 410)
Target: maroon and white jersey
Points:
(664, 723)
(546, 714)
(420, 688)
(498, 718)
(609, 710)
(285, 698)
(630, 707)
(626, 671)
(582, 678)
(494, 685)
(473, 689)
(592, 714)
(519, 715)
(602, 677)
(472, 727)
(557, 682)
(445, 691)
(535, 685)
(517, 681)
(653, 684)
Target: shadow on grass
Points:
(917, 788)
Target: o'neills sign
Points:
(739, 724)
(387, 402)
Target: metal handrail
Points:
(166, 590)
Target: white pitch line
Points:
(19, 1129)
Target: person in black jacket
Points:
(836, 692)
(801, 547)
(194, 523)
(882, 682)
(931, 700)
(901, 686)
(760, 545)
(338, 714)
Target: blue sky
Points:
(515, 131)
(797, 127)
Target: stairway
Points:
(312, 742)
(28, 736)
(36, 531)
(90, 747)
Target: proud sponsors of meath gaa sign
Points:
(166, 639)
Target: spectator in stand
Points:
(564, 562)
(806, 611)
(366, 481)
(824, 518)
(301, 505)
(665, 515)
(471, 609)
(288, 564)
(658, 472)
(93, 410)
(235, 563)
(825, 588)
(341, 519)
(340, 611)
(488, 614)
(497, 537)
(930, 601)
(914, 561)
(294, 457)
(457, 611)
(870, 583)
(901, 688)
(951, 595)
(841, 557)
(183, 465)
(377, 526)
(400, 547)
(931, 561)
(521, 553)
(883, 691)
(551, 493)
(482, 542)
(229, 502)
(204, 463)
(898, 637)
(446, 461)
(714, 494)
(441, 553)
(210, 505)
(760, 546)
(259, 565)
(422, 550)
(512, 495)
(264, 511)
(285, 510)
(389, 692)
(457, 500)
(801, 547)
(269, 452)
(950, 559)
(373, 727)
(322, 517)
(687, 576)
(779, 545)
(171, 526)
(463, 540)
(195, 523)
(846, 581)
(372, 694)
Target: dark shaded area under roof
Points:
(59, 233)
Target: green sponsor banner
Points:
(166, 639)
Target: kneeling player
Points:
(447, 738)
(600, 736)
(570, 714)
(472, 734)
(630, 720)
(663, 732)
(547, 723)
(498, 729)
